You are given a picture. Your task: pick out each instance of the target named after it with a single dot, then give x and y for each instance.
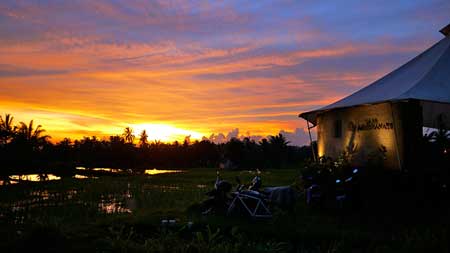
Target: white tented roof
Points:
(425, 78)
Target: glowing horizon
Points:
(205, 69)
(165, 132)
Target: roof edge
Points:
(445, 30)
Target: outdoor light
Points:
(338, 181)
(355, 171)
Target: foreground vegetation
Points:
(124, 214)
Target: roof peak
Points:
(446, 30)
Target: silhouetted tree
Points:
(128, 135)
(278, 148)
(265, 150)
(26, 146)
(234, 151)
(143, 139)
(33, 136)
(252, 154)
(7, 130)
(278, 141)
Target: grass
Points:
(65, 216)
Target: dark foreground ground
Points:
(124, 214)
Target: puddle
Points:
(8, 182)
(34, 177)
(147, 172)
(78, 176)
(15, 179)
(113, 207)
(156, 171)
(99, 169)
(162, 188)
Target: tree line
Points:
(26, 146)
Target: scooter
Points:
(250, 202)
(243, 201)
(340, 190)
(219, 198)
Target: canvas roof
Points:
(425, 78)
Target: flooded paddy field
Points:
(28, 198)
(127, 213)
(25, 196)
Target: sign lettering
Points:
(370, 124)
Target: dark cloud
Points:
(12, 71)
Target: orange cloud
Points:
(95, 67)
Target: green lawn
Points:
(124, 213)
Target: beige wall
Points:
(365, 128)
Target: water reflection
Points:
(14, 179)
(34, 177)
(162, 188)
(99, 169)
(118, 203)
(112, 203)
(156, 171)
(7, 181)
(78, 176)
(148, 172)
(113, 206)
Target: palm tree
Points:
(32, 135)
(278, 150)
(143, 139)
(65, 143)
(278, 141)
(116, 140)
(7, 130)
(128, 135)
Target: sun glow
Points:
(164, 132)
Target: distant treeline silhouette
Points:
(26, 147)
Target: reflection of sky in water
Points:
(113, 207)
(15, 179)
(148, 172)
(156, 171)
(113, 203)
(99, 169)
(34, 177)
(78, 176)
(7, 182)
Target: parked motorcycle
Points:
(341, 190)
(219, 198)
(247, 200)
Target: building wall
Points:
(364, 129)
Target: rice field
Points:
(126, 213)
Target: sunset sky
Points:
(178, 68)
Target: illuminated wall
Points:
(364, 129)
